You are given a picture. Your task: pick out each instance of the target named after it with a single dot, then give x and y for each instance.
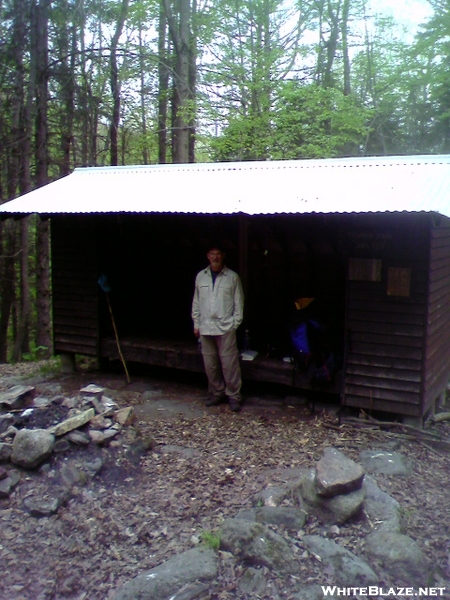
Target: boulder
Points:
(31, 447)
(19, 396)
(400, 556)
(386, 463)
(331, 511)
(72, 422)
(271, 496)
(256, 544)
(291, 517)
(383, 511)
(253, 581)
(164, 581)
(6, 421)
(42, 507)
(348, 568)
(5, 452)
(124, 416)
(336, 474)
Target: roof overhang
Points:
(350, 185)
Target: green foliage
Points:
(210, 539)
(315, 122)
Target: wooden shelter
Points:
(368, 239)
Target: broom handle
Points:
(117, 338)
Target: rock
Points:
(253, 581)
(58, 400)
(386, 463)
(99, 422)
(61, 446)
(5, 452)
(331, 511)
(271, 496)
(19, 396)
(6, 421)
(3, 473)
(109, 407)
(400, 556)
(78, 437)
(70, 402)
(5, 487)
(197, 564)
(256, 544)
(124, 416)
(71, 476)
(41, 402)
(336, 474)
(92, 390)
(383, 510)
(93, 466)
(192, 591)
(9, 433)
(31, 447)
(42, 507)
(96, 436)
(109, 434)
(72, 423)
(291, 517)
(348, 568)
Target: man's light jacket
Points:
(220, 308)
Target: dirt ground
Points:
(180, 470)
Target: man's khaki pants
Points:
(221, 360)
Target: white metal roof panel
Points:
(387, 184)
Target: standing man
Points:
(217, 312)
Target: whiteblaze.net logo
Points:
(392, 592)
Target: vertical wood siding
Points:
(437, 354)
(385, 343)
(74, 282)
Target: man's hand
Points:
(197, 333)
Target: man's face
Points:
(216, 259)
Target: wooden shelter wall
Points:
(74, 284)
(385, 333)
(437, 354)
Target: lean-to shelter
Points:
(367, 238)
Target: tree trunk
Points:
(7, 281)
(43, 327)
(163, 84)
(115, 85)
(182, 109)
(145, 155)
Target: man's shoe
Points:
(235, 406)
(215, 401)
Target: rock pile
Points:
(32, 428)
(336, 490)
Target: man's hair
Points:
(215, 246)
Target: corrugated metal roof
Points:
(387, 184)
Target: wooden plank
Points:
(385, 339)
(388, 362)
(385, 306)
(383, 373)
(380, 383)
(75, 340)
(385, 317)
(382, 394)
(389, 406)
(391, 328)
(387, 350)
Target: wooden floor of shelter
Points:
(186, 355)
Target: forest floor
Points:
(204, 465)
